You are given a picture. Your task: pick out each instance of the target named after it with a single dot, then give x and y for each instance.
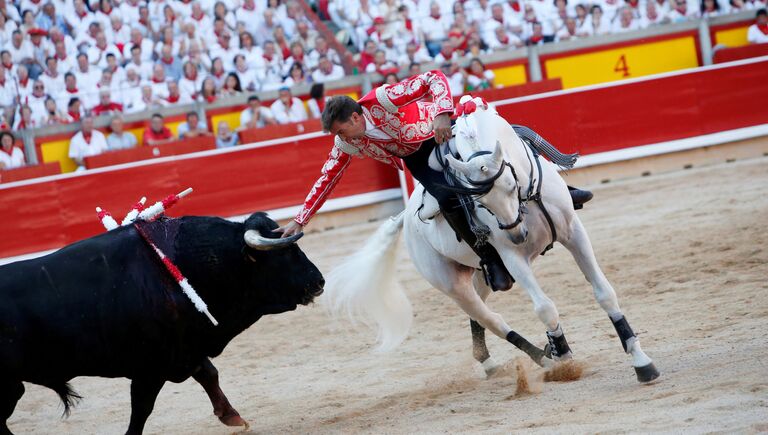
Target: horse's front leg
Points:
(479, 347)
(581, 249)
(543, 306)
(473, 304)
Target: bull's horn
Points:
(261, 243)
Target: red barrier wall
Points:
(648, 111)
(49, 214)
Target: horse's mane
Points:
(479, 129)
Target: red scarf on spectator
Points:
(8, 66)
(409, 24)
(763, 28)
(167, 61)
(516, 6)
(249, 8)
(269, 58)
(74, 115)
(365, 59)
(72, 91)
(82, 14)
(210, 98)
(156, 80)
(87, 137)
(437, 17)
(536, 39)
(200, 18)
(504, 40)
(219, 74)
(11, 151)
(172, 98)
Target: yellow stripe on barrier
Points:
(620, 63)
(732, 37)
(58, 151)
(510, 75)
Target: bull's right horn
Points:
(261, 243)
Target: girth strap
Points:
(537, 197)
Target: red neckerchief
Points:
(156, 80)
(61, 57)
(437, 17)
(298, 59)
(82, 14)
(172, 98)
(210, 98)
(200, 18)
(763, 28)
(193, 78)
(290, 103)
(23, 83)
(219, 74)
(22, 125)
(11, 151)
(500, 20)
(142, 21)
(87, 137)
(409, 24)
(167, 62)
(8, 66)
(536, 39)
(504, 40)
(516, 6)
(73, 91)
(74, 115)
(251, 8)
(268, 57)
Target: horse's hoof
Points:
(647, 373)
(491, 367)
(233, 420)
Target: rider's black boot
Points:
(579, 197)
(497, 274)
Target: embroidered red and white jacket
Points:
(402, 113)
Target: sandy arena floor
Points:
(685, 251)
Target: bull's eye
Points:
(484, 168)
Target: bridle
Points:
(482, 187)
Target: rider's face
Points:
(354, 128)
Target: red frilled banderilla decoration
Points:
(140, 214)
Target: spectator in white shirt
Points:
(54, 81)
(680, 12)
(327, 71)
(287, 108)
(758, 32)
(193, 127)
(599, 24)
(8, 94)
(86, 143)
(316, 101)
(118, 33)
(143, 68)
(137, 39)
(455, 77)
(568, 32)
(651, 15)
(119, 139)
(11, 157)
(434, 28)
(256, 115)
(626, 21)
(245, 75)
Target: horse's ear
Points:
(458, 165)
(497, 154)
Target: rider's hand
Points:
(442, 127)
(289, 229)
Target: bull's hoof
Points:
(647, 373)
(233, 420)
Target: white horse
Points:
(494, 156)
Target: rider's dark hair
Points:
(339, 108)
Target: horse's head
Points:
(486, 172)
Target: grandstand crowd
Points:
(62, 60)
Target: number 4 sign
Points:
(621, 66)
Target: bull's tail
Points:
(69, 398)
(365, 287)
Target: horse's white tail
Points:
(365, 287)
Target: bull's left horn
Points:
(261, 243)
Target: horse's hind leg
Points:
(10, 393)
(581, 249)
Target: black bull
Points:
(106, 306)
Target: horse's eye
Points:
(484, 168)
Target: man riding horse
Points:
(394, 124)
